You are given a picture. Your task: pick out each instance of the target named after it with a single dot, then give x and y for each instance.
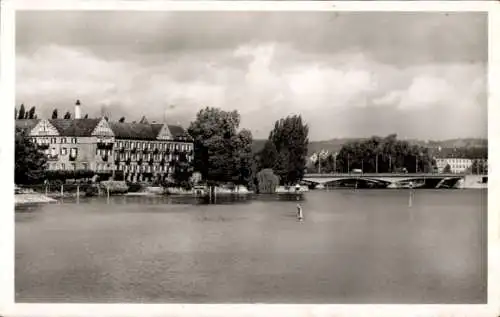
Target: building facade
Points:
(130, 151)
(149, 151)
(457, 165)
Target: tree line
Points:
(376, 155)
(21, 114)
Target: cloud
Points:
(341, 85)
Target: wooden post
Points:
(107, 188)
(410, 201)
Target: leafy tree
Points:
(30, 162)
(267, 181)
(67, 115)
(479, 167)
(447, 169)
(54, 114)
(183, 171)
(22, 112)
(328, 164)
(245, 164)
(31, 113)
(122, 119)
(268, 156)
(221, 153)
(290, 138)
(86, 116)
(384, 155)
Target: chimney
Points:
(78, 112)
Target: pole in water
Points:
(410, 200)
(300, 215)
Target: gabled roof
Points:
(156, 128)
(75, 127)
(122, 130)
(143, 131)
(135, 131)
(25, 125)
(178, 131)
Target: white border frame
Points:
(7, 89)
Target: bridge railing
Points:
(409, 175)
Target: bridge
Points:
(384, 180)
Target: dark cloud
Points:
(402, 38)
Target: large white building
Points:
(457, 165)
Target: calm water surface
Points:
(353, 247)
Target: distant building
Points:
(139, 151)
(457, 165)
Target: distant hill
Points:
(334, 145)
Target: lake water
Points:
(353, 247)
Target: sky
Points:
(349, 74)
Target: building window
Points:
(64, 151)
(63, 166)
(85, 166)
(73, 153)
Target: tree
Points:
(182, 171)
(221, 153)
(31, 113)
(22, 112)
(290, 138)
(144, 120)
(122, 119)
(245, 165)
(30, 162)
(15, 116)
(447, 169)
(384, 155)
(479, 166)
(54, 114)
(86, 116)
(268, 155)
(67, 115)
(267, 181)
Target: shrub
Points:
(134, 187)
(267, 181)
(115, 187)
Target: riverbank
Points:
(32, 198)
